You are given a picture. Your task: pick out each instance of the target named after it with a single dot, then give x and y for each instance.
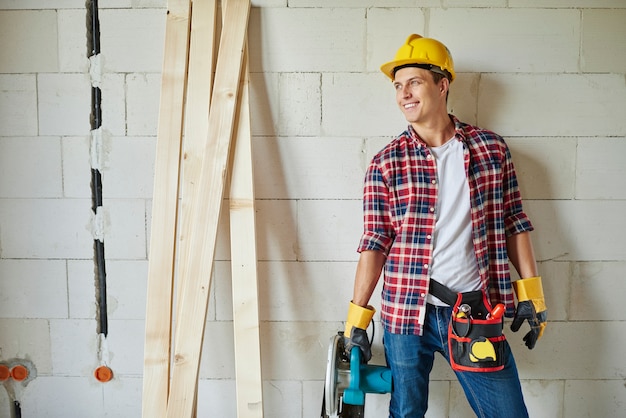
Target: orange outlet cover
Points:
(19, 373)
(5, 373)
(103, 374)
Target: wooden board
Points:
(164, 212)
(249, 383)
(199, 86)
(205, 210)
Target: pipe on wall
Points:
(93, 46)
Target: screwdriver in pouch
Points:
(496, 312)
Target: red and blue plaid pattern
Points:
(399, 201)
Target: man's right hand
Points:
(355, 332)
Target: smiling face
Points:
(419, 97)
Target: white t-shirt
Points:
(454, 261)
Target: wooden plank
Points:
(249, 383)
(205, 210)
(199, 85)
(164, 211)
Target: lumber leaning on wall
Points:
(199, 85)
(249, 383)
(164, 211)
(205, 210)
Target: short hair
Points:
(437, 77)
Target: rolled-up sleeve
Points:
(515, 219)
(517, 224)
(378, 231)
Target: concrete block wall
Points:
(548, 75)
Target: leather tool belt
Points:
(475, 338)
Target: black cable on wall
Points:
(93, 46)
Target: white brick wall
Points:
(505, 44)
(339, 47)
(546, 74)
(533, 104)
(23, 51)
(18, 107)
(64, 103)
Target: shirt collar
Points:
(458, 127)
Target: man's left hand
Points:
(532, 307)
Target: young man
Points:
(441, 201)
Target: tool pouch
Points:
(475, 340)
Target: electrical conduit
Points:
(102, 373)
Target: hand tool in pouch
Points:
(475, 338)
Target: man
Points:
(441, 201)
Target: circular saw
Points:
(348, 379)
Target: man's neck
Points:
(435, 132)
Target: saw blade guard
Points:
(337, 376)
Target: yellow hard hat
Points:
(424, 52)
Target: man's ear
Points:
(444, 85)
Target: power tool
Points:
(348, 379)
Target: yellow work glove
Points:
(355, 332)
(531, 306)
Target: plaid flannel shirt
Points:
(399, 201)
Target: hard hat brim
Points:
(389, 67)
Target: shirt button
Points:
(433, 181)
(429, 236)
(423, 295)
(425, 266)
(432, 209)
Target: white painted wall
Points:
(549, 75)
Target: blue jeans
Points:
(411, 357)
